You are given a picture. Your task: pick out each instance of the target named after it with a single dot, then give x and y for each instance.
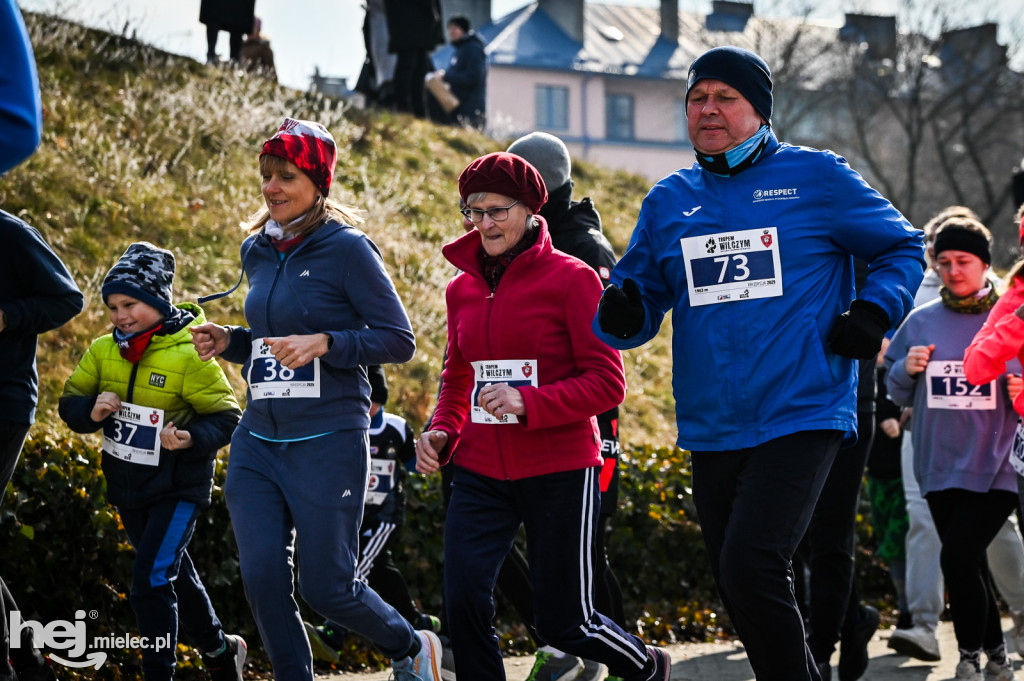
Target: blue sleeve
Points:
(21, 113)
(470, 69)
(387, 337)
(640, 263)
(870, 228)
(54, 299)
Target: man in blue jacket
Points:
(466, 74)
(752, 250)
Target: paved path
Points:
(728, 662)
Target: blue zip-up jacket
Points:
(21, 112)
(749, 371)
(332, 282)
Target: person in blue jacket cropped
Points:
(752, 250)
(320, 308)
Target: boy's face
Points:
(130, 315)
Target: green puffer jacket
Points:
(194, 395)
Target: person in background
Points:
(234, 16)
(37, 294)
(466, 75)
(256, 54)
(321, 307)
(392, 452)
(164, 414)
(575, 228)
(924, 588)
(752, 250)
(414, 30)
(962, 439)
(523, 377)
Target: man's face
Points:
(454, 33)
(718, 117)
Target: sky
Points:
(330, 38)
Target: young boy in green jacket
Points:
(164, 414)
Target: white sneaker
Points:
(1017, 635)
(966, 671)
(919, 642)
(1000, 672)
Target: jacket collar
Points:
(466, 251)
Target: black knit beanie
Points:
(145, 273)
(738, 68)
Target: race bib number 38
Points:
(731, 266)
(269, 378)
(948, 388)
(517, 373)
(133, 434)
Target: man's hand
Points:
(858, 332)
(621, 310)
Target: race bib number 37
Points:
(731, 266)
(133, 434)
(948, 388)
(269, 378)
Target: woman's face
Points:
(962, 273)
(288, 191)
(499, 236)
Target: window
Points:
(552, 107)
(619, 117)
(682, 132)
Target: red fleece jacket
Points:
(999, 340)
(541, 310)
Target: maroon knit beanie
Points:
(309, 146)
(506, 174)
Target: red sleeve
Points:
(998, 341)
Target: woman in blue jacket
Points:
(320, 308)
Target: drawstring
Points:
(225, 294)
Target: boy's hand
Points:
(172, 438)
(297, 351)
(107, 403)
(210, 340)
(428, 450)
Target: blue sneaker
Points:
(425, 665)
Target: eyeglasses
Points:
(499, 214)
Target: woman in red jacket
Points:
(524, 377)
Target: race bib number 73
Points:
(732, 266)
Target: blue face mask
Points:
(739, 158)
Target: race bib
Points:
(382, 481)
(1017, 453)
(517, 373)
(724, 268)
(269, 378)
(948, 388)
(133, 434)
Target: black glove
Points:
(621, 310)
(858, 334)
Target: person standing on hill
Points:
(234, 16)
(466, 75)
(414, 30)
(37, 294)
(752, 250)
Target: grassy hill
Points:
(140, 144)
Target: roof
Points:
(620, 39)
